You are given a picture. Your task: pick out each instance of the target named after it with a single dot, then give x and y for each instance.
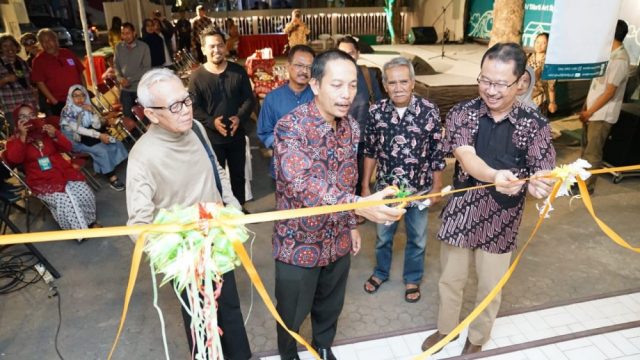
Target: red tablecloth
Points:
(100, 65)
(248, 44)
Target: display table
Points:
(248, 44)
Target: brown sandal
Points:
(411, 291)
(373, 283)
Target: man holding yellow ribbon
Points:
(495, 139)
(315, 151)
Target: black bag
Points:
(88, 140)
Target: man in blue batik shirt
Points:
(287, 97)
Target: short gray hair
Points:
(149, 79)
(396, 62)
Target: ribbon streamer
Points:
(143, 230)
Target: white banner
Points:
(580, 39)
(630, 12)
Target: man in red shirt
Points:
(55, 70)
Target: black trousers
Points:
(360, 168)
(235, 344)
(317, 290)
(233, 155)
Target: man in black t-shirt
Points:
(223, 100)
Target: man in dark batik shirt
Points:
(314, 153)
(403, 136)
(495, 139)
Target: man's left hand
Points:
(235, 123)
(356, 241)
(540, 186)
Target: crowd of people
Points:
(329, 127)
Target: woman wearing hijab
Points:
(528, 84)
(83, 127)
(15, 87)
(52, 178)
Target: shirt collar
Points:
(411, 107)
(511, 115)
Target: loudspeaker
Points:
(422, 35)
(420, 66)
(622, 147)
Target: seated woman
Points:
(38, 147)
(81, 124)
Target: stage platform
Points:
(451, 79)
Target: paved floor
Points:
(569, 259)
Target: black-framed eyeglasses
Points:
(500, 87)
(176, 107)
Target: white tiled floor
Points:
(526, 327)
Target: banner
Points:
(580, 43)
(480, 19)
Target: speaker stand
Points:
(444, 29)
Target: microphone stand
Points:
(444, 29)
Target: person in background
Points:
(55, 70)
(167, 31)
(198, 24)
(15, 84)
(38, 147)
(233, 38)
(604, 101)
(368, 93)
(544, 91)
(223, 102)
(528, 83)
(132, 60)
(183, 32)
(114, 35)
(84, 128)
(287, 97)
(296, 29)
(155, 43)
(495, 139)
(30, 43)
(166, 48)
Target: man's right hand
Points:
(507, 183)
(381, 213)
(219, 125)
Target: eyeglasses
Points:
(176, 107)
(302, 67)
(500, 87)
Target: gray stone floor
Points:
(569, 259)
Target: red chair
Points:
(138, 112)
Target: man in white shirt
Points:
(604, 101)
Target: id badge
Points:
(45, 163)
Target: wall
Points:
(427, 11)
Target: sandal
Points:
(411, 291)
(373, 283)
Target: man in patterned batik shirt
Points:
(314, 150)
(495, 139)
(403, 137)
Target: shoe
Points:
(434, 339)
(470, 348)
(326, 354)
(9, 196)
(116, 185)
(245, 211)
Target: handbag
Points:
(84, 139)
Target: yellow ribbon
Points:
(294, 213)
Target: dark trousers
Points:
(318, 290)
(233, 155)
(56, 109)
(235, 344)
(128, 99)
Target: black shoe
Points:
(116, 185)
(296, 357)
(244, 210)
(326, 354)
